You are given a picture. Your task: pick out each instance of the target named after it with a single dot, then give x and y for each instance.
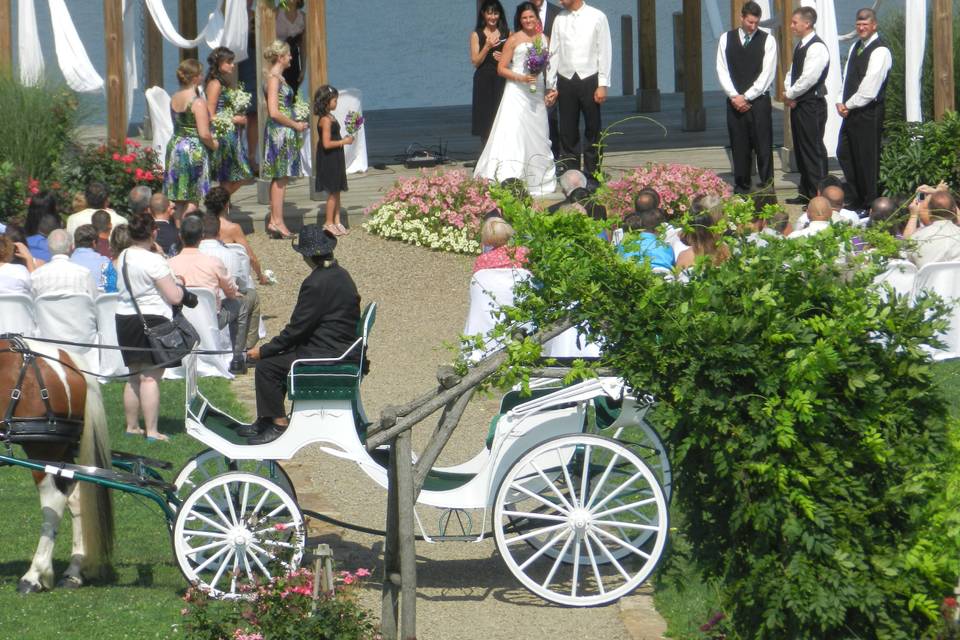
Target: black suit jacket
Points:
(552, 12)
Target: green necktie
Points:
(746, 39)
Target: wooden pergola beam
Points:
(154, 53)
(187, 20)
(694, 115)
(316, 54)
(943, 83)
(649, 98)
(116, 92)
(6, 38)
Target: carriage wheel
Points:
(597, 516)
(647, 444)
(237, 530)
(209, 463)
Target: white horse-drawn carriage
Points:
(572, 481)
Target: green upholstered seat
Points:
(510, 400)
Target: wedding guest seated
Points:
(37, 243)
(100, 221)
(647, 199)
(640, 240)
(217, 204)
(119, 240)
(883, 215)
(14, 278)
(494, 236)
(938, 239)
(197, 269)
(820, 214)
(22, 255)
(701, 239)
(98, 197)
(85, 255)
(162, 209)
(570, 182)
(78, 202)
(323, 324)
(60, 275)
(139, 199)
(42, 217)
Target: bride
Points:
(519, 144)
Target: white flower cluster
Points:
(386, 222)
(222, 123)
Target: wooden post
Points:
(6, 39)
(626, 53)
(406, 530)
(649, 99)
(678, 39)
(390, 590)
(785, 57)
(735, 6)
(116, 94)
(154, 53)
(694, 115)
(266, 27)
(943, 83)
(187, 21)
(316, 47)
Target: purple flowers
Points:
(353, 121)
(537, 60)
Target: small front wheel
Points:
(580, 520)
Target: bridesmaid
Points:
(486, 47)
(186, 179)
(228, 164)
(281, 137)
(330, 171)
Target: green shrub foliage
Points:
(808, 435)
(37, 125)
(921, 153)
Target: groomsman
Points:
(548, 12)
(862, 108)
(746, 66)
(804, 92)
(578, 78)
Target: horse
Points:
(55, 412)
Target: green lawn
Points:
(144, 599)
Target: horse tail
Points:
(96, 505)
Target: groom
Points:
(578, 78)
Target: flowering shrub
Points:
(678, 185)
(282, 608)
(442, 211)
(120, 172)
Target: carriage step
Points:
(123, 456)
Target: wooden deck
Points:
(392, 133)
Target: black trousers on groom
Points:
(808, 120)
(751, 132)
(576, 98)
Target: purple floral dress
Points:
(187, 174)
(281, 144)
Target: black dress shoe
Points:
(797, 200)
(238, 366)
(255, 429)
(269, 435)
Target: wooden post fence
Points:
(116, 92)
(187, 22)
(626, 53)
(694, 115)
(785, 59)
(678, 40)
(943, 83)
(6, 38)
(648, 99)
(266, 28)
(316, 47)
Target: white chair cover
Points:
(570, 344)
(944, 279)
(204, 319)
(71, 317)
(245, 277)
(111, 360)
(355, 154)
(901, 275)
(489, 290)
(158, 101)
(17, 314)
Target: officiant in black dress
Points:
(486, 46)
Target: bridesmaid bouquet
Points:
(352, 122)
(238, 99)
(222, 123)
(301, 109)
(537, 59)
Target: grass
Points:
(144, 599)
(686, 600)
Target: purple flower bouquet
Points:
(537, 60)
(353, 121)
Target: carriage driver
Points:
(323, 325)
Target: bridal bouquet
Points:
(238, 99)
(537, 60)
(301, 109)
(353, 121)
(222, 123)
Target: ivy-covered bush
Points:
(440, 210)
(809, 439)
(677, 184)
(921, 153)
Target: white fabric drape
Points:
(72, 57)
(130, 68)
(28, 43)
(354, 154)
(219, 31)
(827, 30)
(915, 42)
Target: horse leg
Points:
(72, 577)
(52, 503)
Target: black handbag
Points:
(171, 340)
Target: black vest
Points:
(857, 69)
(745, 63)
(819, 89)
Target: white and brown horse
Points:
(49, 407)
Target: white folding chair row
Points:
(943, 278)
(204, 319)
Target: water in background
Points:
(400, 54)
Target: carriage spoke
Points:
(273, 527)
(576, 568)
(275, 511)
(534, 516)
(625, 525)
(556, 563)
(542, 550)
(260, 565)
(256, 509)
(603, 479)
(575, 502)
(606, 552)
(536, 532)
(585, 477)
(537, 496)
(246, 567)
(195, 550)
(230, 500)
(243, 499)
(613, 494)
(223, 565)
(216, 509)
(235, 572)
(622, 543)
(207, 562)
(278, 543)
(200, 516)
(624, 507)
(593, 563)
(550, 483)
(197, 533)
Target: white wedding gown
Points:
(519, 142)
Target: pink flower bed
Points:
(678, 185)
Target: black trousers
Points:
(751, 132)
(270, 380)
(859, 153)
(807, 122)
(576, 98)
(554, 128)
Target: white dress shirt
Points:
(813, 65)
(217, 249)
(843, 215)
(762, 84)
(877, 70)
(61, 275)
(79, 218)
(813, 228)
(580, 45)
(939, 241)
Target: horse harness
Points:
(46, 428)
